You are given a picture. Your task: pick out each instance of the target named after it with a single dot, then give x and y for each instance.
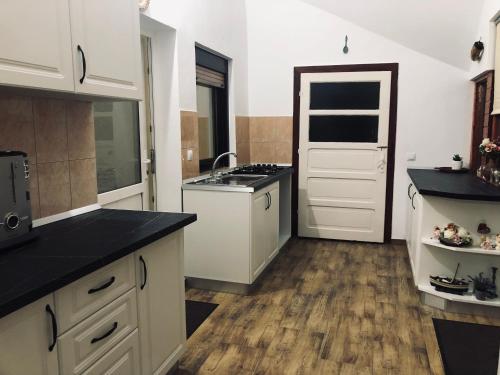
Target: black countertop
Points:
(260, 184)
(453, 185)
(69, 249)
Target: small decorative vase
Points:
(456, 165)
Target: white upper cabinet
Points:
(89, 47)
(106, 47)
(35, 45)
(496, 101)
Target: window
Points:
(211, 97)
(117, 145)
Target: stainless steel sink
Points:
(228, 182)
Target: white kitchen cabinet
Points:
(88, 47)
(35, 45)
(413, 223)
(235, 237)
(26, 339)
(106, 36)
(265, 228)
(161, 303)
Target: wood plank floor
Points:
(324, 307)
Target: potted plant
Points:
(457, 162)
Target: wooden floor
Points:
(324, 307)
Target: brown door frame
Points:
(394, 69)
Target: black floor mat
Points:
(468, 348)
(196, 314)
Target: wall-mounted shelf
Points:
(468, 298)
(473, 250)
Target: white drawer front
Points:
(87, 295)
(122, 360)
(84, 344)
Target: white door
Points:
(344, 126)
(27, 344)
(260, 230)
(106, 47)
(35, 44)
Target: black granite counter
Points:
(452, 185)
(272, 178)
(72, 248)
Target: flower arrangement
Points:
(453, 235)
(489, 148)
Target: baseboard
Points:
(398, 242)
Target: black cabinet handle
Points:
(145, 269)
(103, 286)
(412, 200)
(54, 327)
(409, 187)
(270, 200)
(268, 204)
(110, 332)
(84, 63)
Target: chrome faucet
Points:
(214, 165)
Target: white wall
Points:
(487, 33)
(434, 98)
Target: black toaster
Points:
(15, 203)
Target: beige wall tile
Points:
(16, 125)
(242, 129)
(50, 130)
(262, 129)
(262, 152)
(243, 151)
(283, 152)
(34, 194)
(83, 182)
(189, 129)
(54, 188)
(80, 128)
(283, 129)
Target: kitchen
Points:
(296, 243)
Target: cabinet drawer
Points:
(87, 295)
(123, 359)
(84, 344)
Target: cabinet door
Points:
(35, 44)
(260, 236)
(106, 36)
(25, 337)
(273, 223)
(161, 303)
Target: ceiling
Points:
(442, 29)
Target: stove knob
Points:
(12, 221)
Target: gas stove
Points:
(262, 169)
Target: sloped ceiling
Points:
(443, 29)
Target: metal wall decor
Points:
(346, 49)
(143, 4)
(476, 53)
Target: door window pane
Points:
(362, 129)
(118, 155)
(204, 98)
(345, 95)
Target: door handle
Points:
(145, 268)
(103, 286)
(413, 197)
(409, 188)
(84, 63)
(54, 327)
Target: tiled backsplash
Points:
(258, 140)
(58, 136)
(271, 139)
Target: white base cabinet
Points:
(25, 338)
(127, 318)
(160, 292)
(236, 234)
